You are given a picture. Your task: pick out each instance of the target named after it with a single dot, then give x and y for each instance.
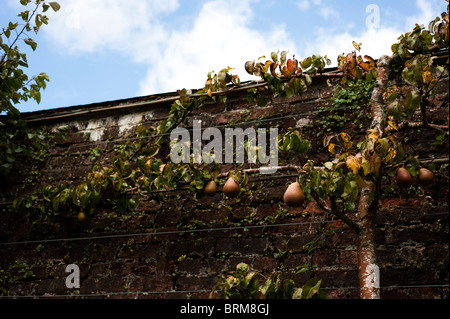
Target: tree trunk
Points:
(367, 268)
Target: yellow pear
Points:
(294, 196)
(426, 177)
(231, 188)
(403, 178)
(81, 216)
(210, 188)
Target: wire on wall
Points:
(179, 232)
(188, 292)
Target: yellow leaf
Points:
(209, 93)
(373, 134)
(331, 148)
(148, 165)
(341, 61)
(390, 156)
(427, 77)
(357, 46)
(347, 142)
(353, 163)
(268, 63)
(392, 122)
(359, 60)
(371, 61)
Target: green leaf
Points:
(31, 43)
(350, 206)
(262, 101)
(306, 63)
(401, 50)
(55, 203)
(412, 102)
(328, 165)
(289, 92)
(55, 6)
(287, 143)
(310, 288)
(369, 76)
(298, 294)
(296, 84)
(37, 96)
(243, 268)
(308, 79)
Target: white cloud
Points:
(326, 12)
(88, 26)
(220, 36)
(428, 10)
(303, 5)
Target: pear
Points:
(231, 189)
(426, 177)
(210, 188)
(403, 178)
(81, 216)
(294, 196)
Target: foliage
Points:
(293, 141)
(16, 140)
(354, 67)
(137, 169)
(245, 284)
(13, 275)
(413, 61)
(353, 94)
(293, 77)
(348, 106)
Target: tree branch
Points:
(406, 124)
(338, 213)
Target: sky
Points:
(104, 50)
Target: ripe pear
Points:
(403, 178)
(426, 177)
(294, 196)
(81, 216)
(231, 189)
(210, 188)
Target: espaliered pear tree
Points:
(349, 186)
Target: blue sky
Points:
(102, 50)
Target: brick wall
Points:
(179, 248)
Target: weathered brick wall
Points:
(179, 248)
